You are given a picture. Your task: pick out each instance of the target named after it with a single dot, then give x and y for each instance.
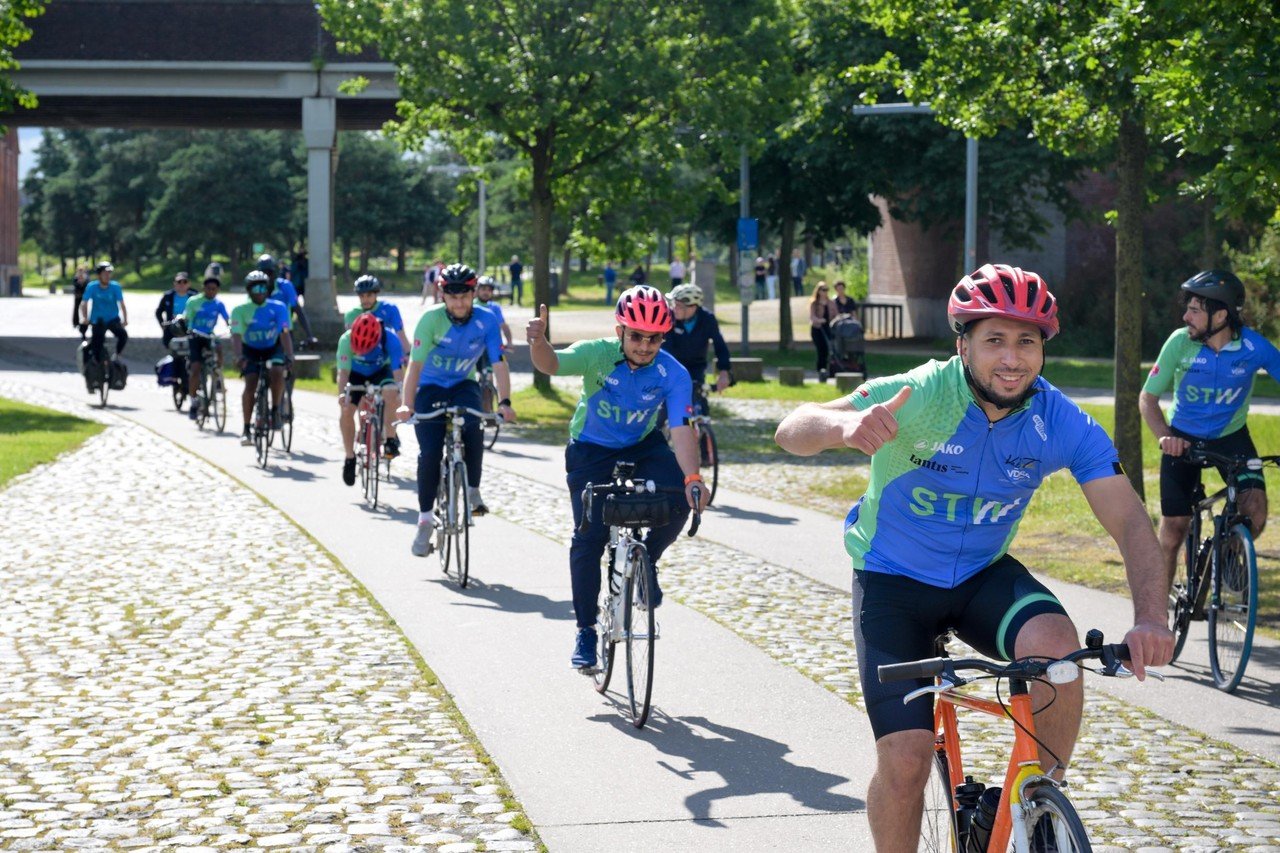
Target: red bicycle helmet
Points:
(366, 333)
(643, 308)
(999, 290)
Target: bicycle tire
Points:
(488, 401)
(375, 470)
(1063, 820)
(639, 630)
(462, 537)
(1233, 610)
(286, 416)
(606, 653)
(362, 457)
(202, 404)
(179, 393)
(1180, 604)
(938, 820)
(262, 422)
(709, 457)
(444, 518)
(218, 399)
(104, 384)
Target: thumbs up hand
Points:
(877, 426)
(536, 329)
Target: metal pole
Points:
(971, 204)
(482, 227)
(744, 211)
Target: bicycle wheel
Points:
(362, 455)
(709, 452)
(375, 458)
(1051, 817)
(204, 402)
(462, 535)
(262, 423)
(1233, 609)
(179, 390)
(489, 404)
(217, 399)
(286, 416)
(639, 632)
(938, 821)
(445, 516)
(104, 386)
(1180, 605)
(607, 624)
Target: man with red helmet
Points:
(626, 379)
(957, 450)
(369, 356)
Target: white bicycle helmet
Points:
(686, 294)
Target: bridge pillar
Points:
(319, 130)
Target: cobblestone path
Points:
(181, 668)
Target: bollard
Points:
(306, 366)
(791, 375)
(747, 369)
(849, 381)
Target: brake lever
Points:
(934, 688)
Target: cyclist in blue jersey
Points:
(367, 353)
(1210, 365)
(260, 339)
(485, 289)
(202, 313)
(957, 450)
(626, 380)
(367, 288)
(103, 309)
(447, 342)
(694, 329)
(285, 292)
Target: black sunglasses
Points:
(457, 289)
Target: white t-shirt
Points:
(677, 269)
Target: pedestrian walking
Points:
(798, 269)
(78, 283)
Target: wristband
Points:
(693, 478)
(505, 401)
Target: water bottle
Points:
(983, 820)
(967, 796)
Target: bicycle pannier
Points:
(636, 510)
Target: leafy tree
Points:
(1076, 72)
(568, 85)
(13, 32)
(369, 188)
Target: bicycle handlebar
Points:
(1112, 657)
(1197, 453)
(448, 410)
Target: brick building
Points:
(8, 210)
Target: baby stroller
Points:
(848, 346)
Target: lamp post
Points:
(970, 175)
(455, 170)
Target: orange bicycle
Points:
(1031, 812)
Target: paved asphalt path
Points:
(723, 764)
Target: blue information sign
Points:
(748, 234)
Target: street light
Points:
(456, 170)
(970, 174)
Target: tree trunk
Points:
(566, 266)
(542, 205)
(1211, 231)
(400, 253)
(364, 257)
(785, 336)
(346, 262)
(1130, 206)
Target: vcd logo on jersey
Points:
(1038, 422)
(939, 447)
(1019, 468)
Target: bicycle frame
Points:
(1024, 760)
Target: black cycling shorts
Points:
(1179, 478)
(381, 376)
(255, 358)
(896, 619)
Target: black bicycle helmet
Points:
(267, 264)
(368, 284)
(458, 275)
(256, 278)
(1220, 285)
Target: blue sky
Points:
(28, 139)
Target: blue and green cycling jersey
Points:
(449, 351)
(388, 353)
(260, 325)
(947, 493)
(384, 311)
(285, 292)
(493, 306)
(1211, 390)
(202, 314)
(619, 406)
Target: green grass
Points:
(31, 436)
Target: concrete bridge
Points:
(222, 64)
